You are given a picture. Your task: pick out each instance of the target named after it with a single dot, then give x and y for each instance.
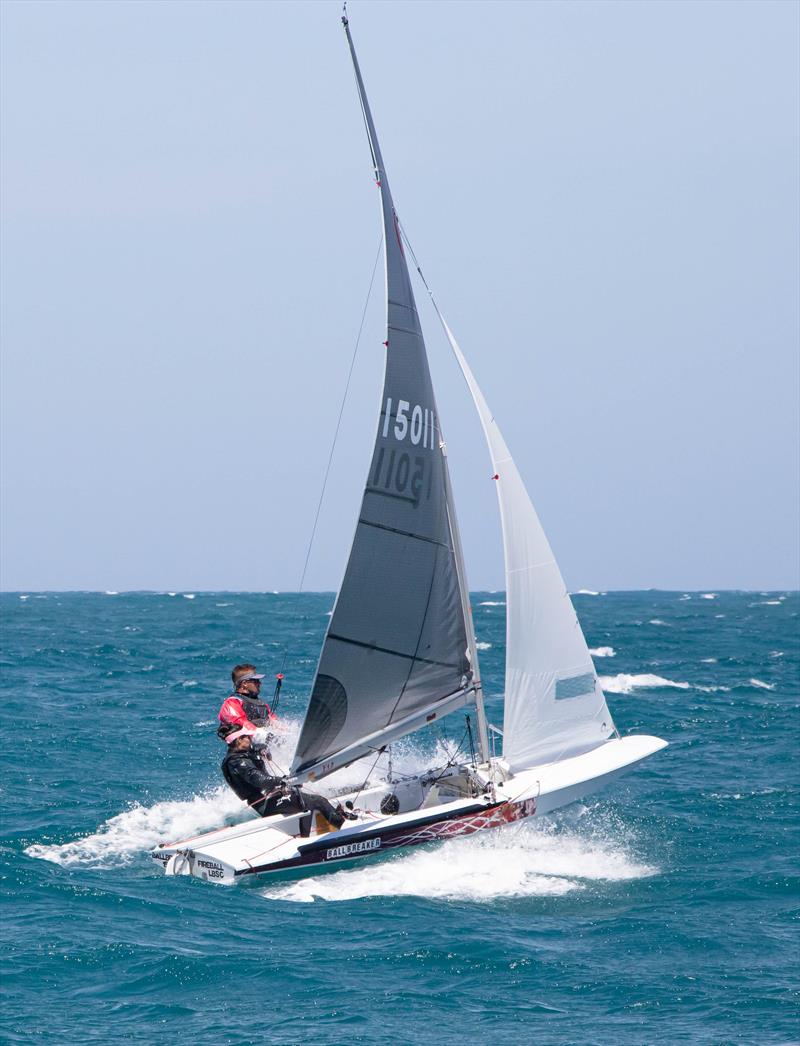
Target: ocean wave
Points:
(708, 595)
(759, 684)
(602, 651)
(657, 621)
(491, 603)
(586, 592)
(626, 684)
(531, 860)
(483, 646)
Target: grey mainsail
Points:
(396, 653)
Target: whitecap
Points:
(657, 621)
(759, 684)
(624, 683)
(708, 595)
(490, 603)
(776, 653)
(189, 683)
(111, 592)
(223, 604)
(188, 595)
(483, 646)
(602, 651)
(24, 597)
(586, 592)
(708, 660)
(529, 860)
(686, 596)
(172, 593)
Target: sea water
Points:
(660, 910)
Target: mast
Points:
(380, 178)
(480, 712)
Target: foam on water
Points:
(529, 860)
(483, 646)
(759, 684)
(625, 683)
(492, 603)
(122, 838)
(602, 651)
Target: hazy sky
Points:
(602, 195)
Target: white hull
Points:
(433, 806)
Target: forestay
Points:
(395, 654)
(554, 706)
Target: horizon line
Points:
(326, 591)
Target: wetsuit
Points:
(245, 773)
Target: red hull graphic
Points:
(326, 852)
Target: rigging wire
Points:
(333, 445)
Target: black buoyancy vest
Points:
(256, 711)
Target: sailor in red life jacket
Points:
(243, 707)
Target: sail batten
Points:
(397, 643)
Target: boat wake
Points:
(533, 860)
(122, 838)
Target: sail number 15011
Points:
(414, 423)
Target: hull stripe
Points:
(379, 840)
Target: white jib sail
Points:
(554, 706)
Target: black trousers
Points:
(297, 801)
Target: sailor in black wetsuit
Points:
(245, 772)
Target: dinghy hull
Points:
(273, 848)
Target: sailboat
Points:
(400, 652)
